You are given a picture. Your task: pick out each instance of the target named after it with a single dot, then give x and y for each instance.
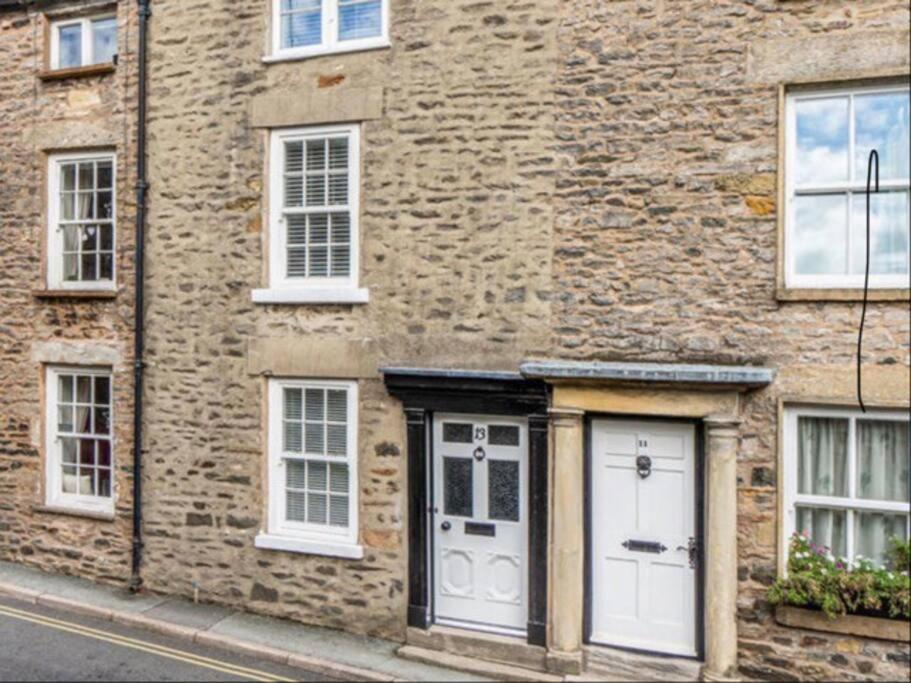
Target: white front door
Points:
(481, 522)
(643, 489)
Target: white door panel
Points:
(480, 522)
(643, 600)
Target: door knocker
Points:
(479, 454)
(644, 466)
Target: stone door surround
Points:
(709, 394)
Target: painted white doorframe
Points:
(480, 525)
(643, 517)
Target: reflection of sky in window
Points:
(104, 40)
(359, 19)
(70, 40)
(882, 122)
(820, 234)
(822, 140)
(889, 231)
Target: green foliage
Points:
(817, 580)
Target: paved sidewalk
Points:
(317, 650)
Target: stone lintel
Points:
(78, 353)
(722, 376)
(313, 357)
(313, 107)
(854, 55)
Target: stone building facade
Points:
(419, 272)
(61, 108)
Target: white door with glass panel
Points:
(480, 526)
(644, 545)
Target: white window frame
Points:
(55, 232)
(794, 280)
(850, 503)
(328, 290)
(281, 534)
(330, 44)
(87, 48)
(53, 460)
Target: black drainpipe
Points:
(142, 187)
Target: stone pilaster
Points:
(722, 436)
(568, 542)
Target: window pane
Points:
(316, 476)
(297, 506)
(69, 480)
(104, 453)
(889, 229)
(68, 204)
(316, 508)
(102, 421)
(65, 419)
(458, 486)
(874, 531)
(337, 403)
(338, 511)
(882, 460)
(65, 385)
(84, 389)
(455, 432)
(316, 155)
(359, 19)
(503, 435)
(71, 267)
(822, 140)
(301, 23)
(315, 438)
(102, 391)
(821, 234)
(826, 528)
(87, 452)
(68, 450)
(338, 480)
(296, 474)
(881, 122)
(316, 190)
(70, 38)
(315, 404)
(503, 493)
(822, 452)
(105, 175)
(104, 483)
(106, 267)
(104, 40)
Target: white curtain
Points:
(822, 470)
(822, 456)
(882, 474)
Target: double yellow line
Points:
(142, 646)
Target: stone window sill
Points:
(97, 515)
(850, 624)
(328, 295)
(76, 72)
(788, 294)
(74, 293)
(307, 547)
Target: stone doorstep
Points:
(323, 667)
(475, 665)
(615, 664)
(490, 647)
(848, 625)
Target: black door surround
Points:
(426, 391)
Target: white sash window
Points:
(846, 479)
(303, 28)
(829, 137)
(83, 42)
(79, 439)
(81, 221)
(312, 468)
(314, 206)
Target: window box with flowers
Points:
(831, 594)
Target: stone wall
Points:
(455, 249)
(666, 237)
(38, 117)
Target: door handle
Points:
(692, 548)
(445, 526)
